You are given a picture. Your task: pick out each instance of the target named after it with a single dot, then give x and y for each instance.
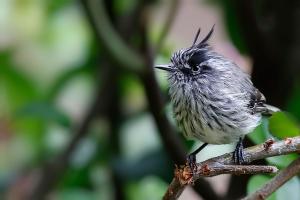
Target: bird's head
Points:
(190, 62)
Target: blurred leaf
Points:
(256, 182)
(282, 161)
(148, 188)
(54, 5)
(46, 112)
(16, 88)
(282, 125)
(293, 105)
(74, 194)
(124, 6)
(260, 133)
(76, 178)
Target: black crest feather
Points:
(204, 41)
(196, 37)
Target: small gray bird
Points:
(213, 99)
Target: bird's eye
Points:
(195, 68)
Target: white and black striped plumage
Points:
(213, 99)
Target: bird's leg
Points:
(238, 154)
(191, 158)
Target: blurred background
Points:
(84, 116)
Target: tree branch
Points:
(123, 54)
(277, 181)
(225, 164)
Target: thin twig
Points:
(123, 54)
(174, 5)
(217, 165)
(277, 181)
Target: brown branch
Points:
(277, 181)
(224, 164)
(183, 176)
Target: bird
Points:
(213, 99)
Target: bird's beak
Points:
(166, 67)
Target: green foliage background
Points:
(49, 77)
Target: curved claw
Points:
(238, 154)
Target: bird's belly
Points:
(216, 136)
(212, 131)
(211, 135)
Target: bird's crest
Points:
(204, 41)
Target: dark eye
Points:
(196, 60)
(195, 68)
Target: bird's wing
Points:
(258, 104)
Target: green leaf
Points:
(258, 135)
(282, 161)
(45, 112)
(74, 194)
(148, 188)
(16, 89)
(261, 133)
(256, 182)
(54, 5)
(283, 125)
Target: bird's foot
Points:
(238, 154)
(191, 162)
(191, 158)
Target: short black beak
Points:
(166, 67)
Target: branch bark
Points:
(277, 181)
(225, 164)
